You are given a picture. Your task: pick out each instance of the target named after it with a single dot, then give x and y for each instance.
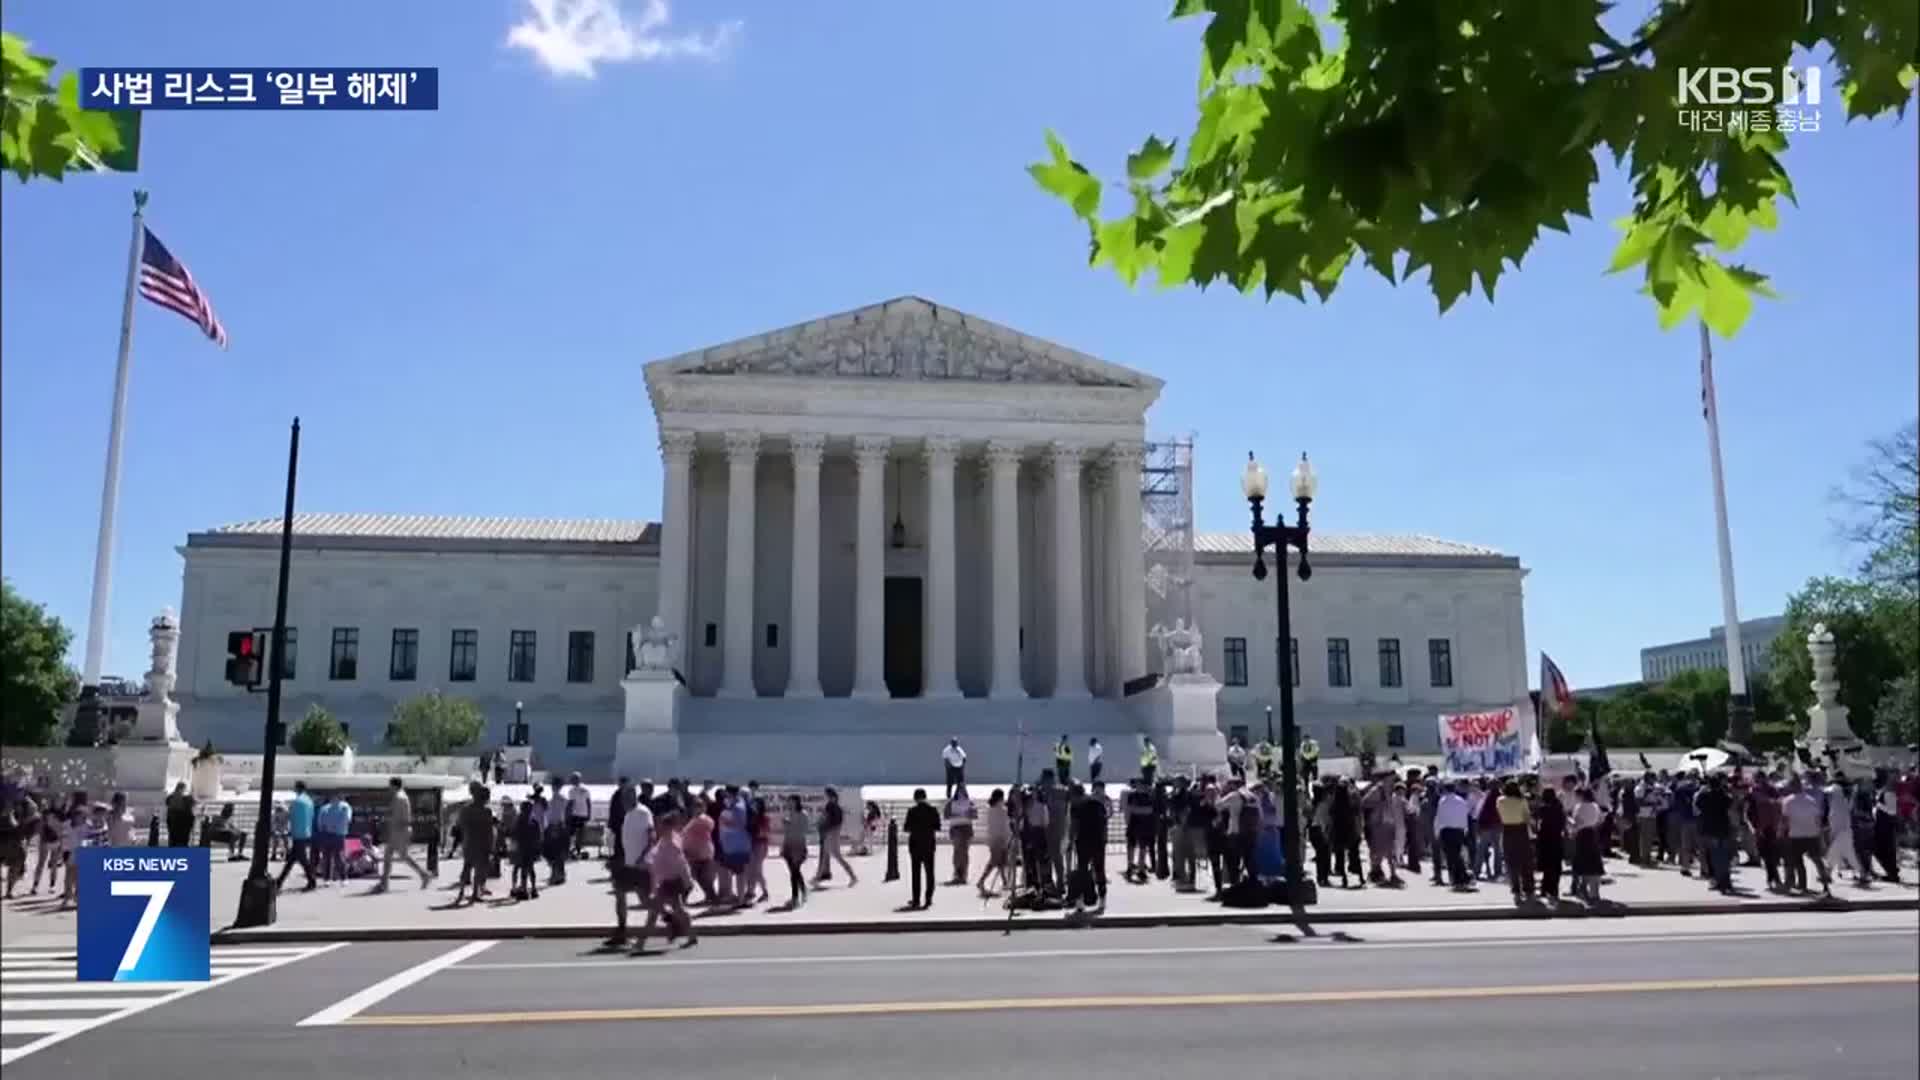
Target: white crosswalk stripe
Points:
(41, 1003)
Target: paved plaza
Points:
(583, 905)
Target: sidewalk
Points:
(584, 908)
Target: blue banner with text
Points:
(366, 89)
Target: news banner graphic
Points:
(144, 915)
(333, 89)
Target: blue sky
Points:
(458, 303)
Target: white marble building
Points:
(880, 528)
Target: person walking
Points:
(1149, 760)
(832, 821)
(794, 827)
(630, 873)
(1095, 754)
(667, 869)
(1713, 817)
(1766, 828)
(1453, 817)
(999, 845)
(527, 831)
(335, 820)
(923, 831)
(1090, 852)
(180, 815)
(955, 759)
(399, 838)
(299, 837)
(1063, 761)
(1237, 758)
(623, 799)
(476, 844)
(1803, 819)
(960, 815)
(1054, 795)
(1886, 825)
(1842, 852)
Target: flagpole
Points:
(110, 490)
(1739, 705)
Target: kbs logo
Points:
(143, 915)
(1749, 86)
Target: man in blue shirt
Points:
(334, 821)
(299, 836)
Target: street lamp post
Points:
(1280, 535)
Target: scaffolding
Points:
(1166, 509)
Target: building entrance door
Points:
(903, 659)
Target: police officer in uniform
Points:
(1149, 760)
(1063, 761)
(1263, 761)
(1309, 757)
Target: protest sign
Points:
(1482, 743)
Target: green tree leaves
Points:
(35, 681)
(43, 129)
(1445, 139)
(432, 725)
(318, 733)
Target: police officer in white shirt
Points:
(956, 761)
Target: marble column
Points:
(1127, 550)
(942, 628)
(676, 527)
(870, 568)
(803, 635)
(1069, 593)
(736, 671)
(1003, 458)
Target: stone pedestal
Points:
(145, 771)
(1184, 721)
(649, 743)
(153, 757)
(205, 784)
(1830, 740)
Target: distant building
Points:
(1661, 662)
(1602, 693)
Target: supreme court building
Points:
(879, 529)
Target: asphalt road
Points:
(1773, 996)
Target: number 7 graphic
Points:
(156, 893)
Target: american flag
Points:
(1556, 700)
(165, 281)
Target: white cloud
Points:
(574, 37)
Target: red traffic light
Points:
(246, 645)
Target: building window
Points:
(1439, 662)
(1293, 659)
(344, 660)
(403, 663)
(580, 656)
(1396, 735)
(1389, 661)
(465, 656)
(713, 635)
(1339, 663)
(576, 735)
(520, 656)
(773, 635)
(1236, 661)
(1238, 733)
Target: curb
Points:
(1047, 921)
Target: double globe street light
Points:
(1301, 890)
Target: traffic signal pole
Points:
(257, 892)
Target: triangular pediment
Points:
(907, 338)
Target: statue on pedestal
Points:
(1180, 647)
(1829, 736)
(165, 635)
(654, 646)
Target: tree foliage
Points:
(1685, 711)
(1447, 137)
(44, 131)
(35, 681)
(1896, 717)
(1880, 512)
(318, 733)
(432, 725)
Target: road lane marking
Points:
(1168, 950)
(104, 1002)
(344, 1010)
(1305, 997)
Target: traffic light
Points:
(243, 659)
